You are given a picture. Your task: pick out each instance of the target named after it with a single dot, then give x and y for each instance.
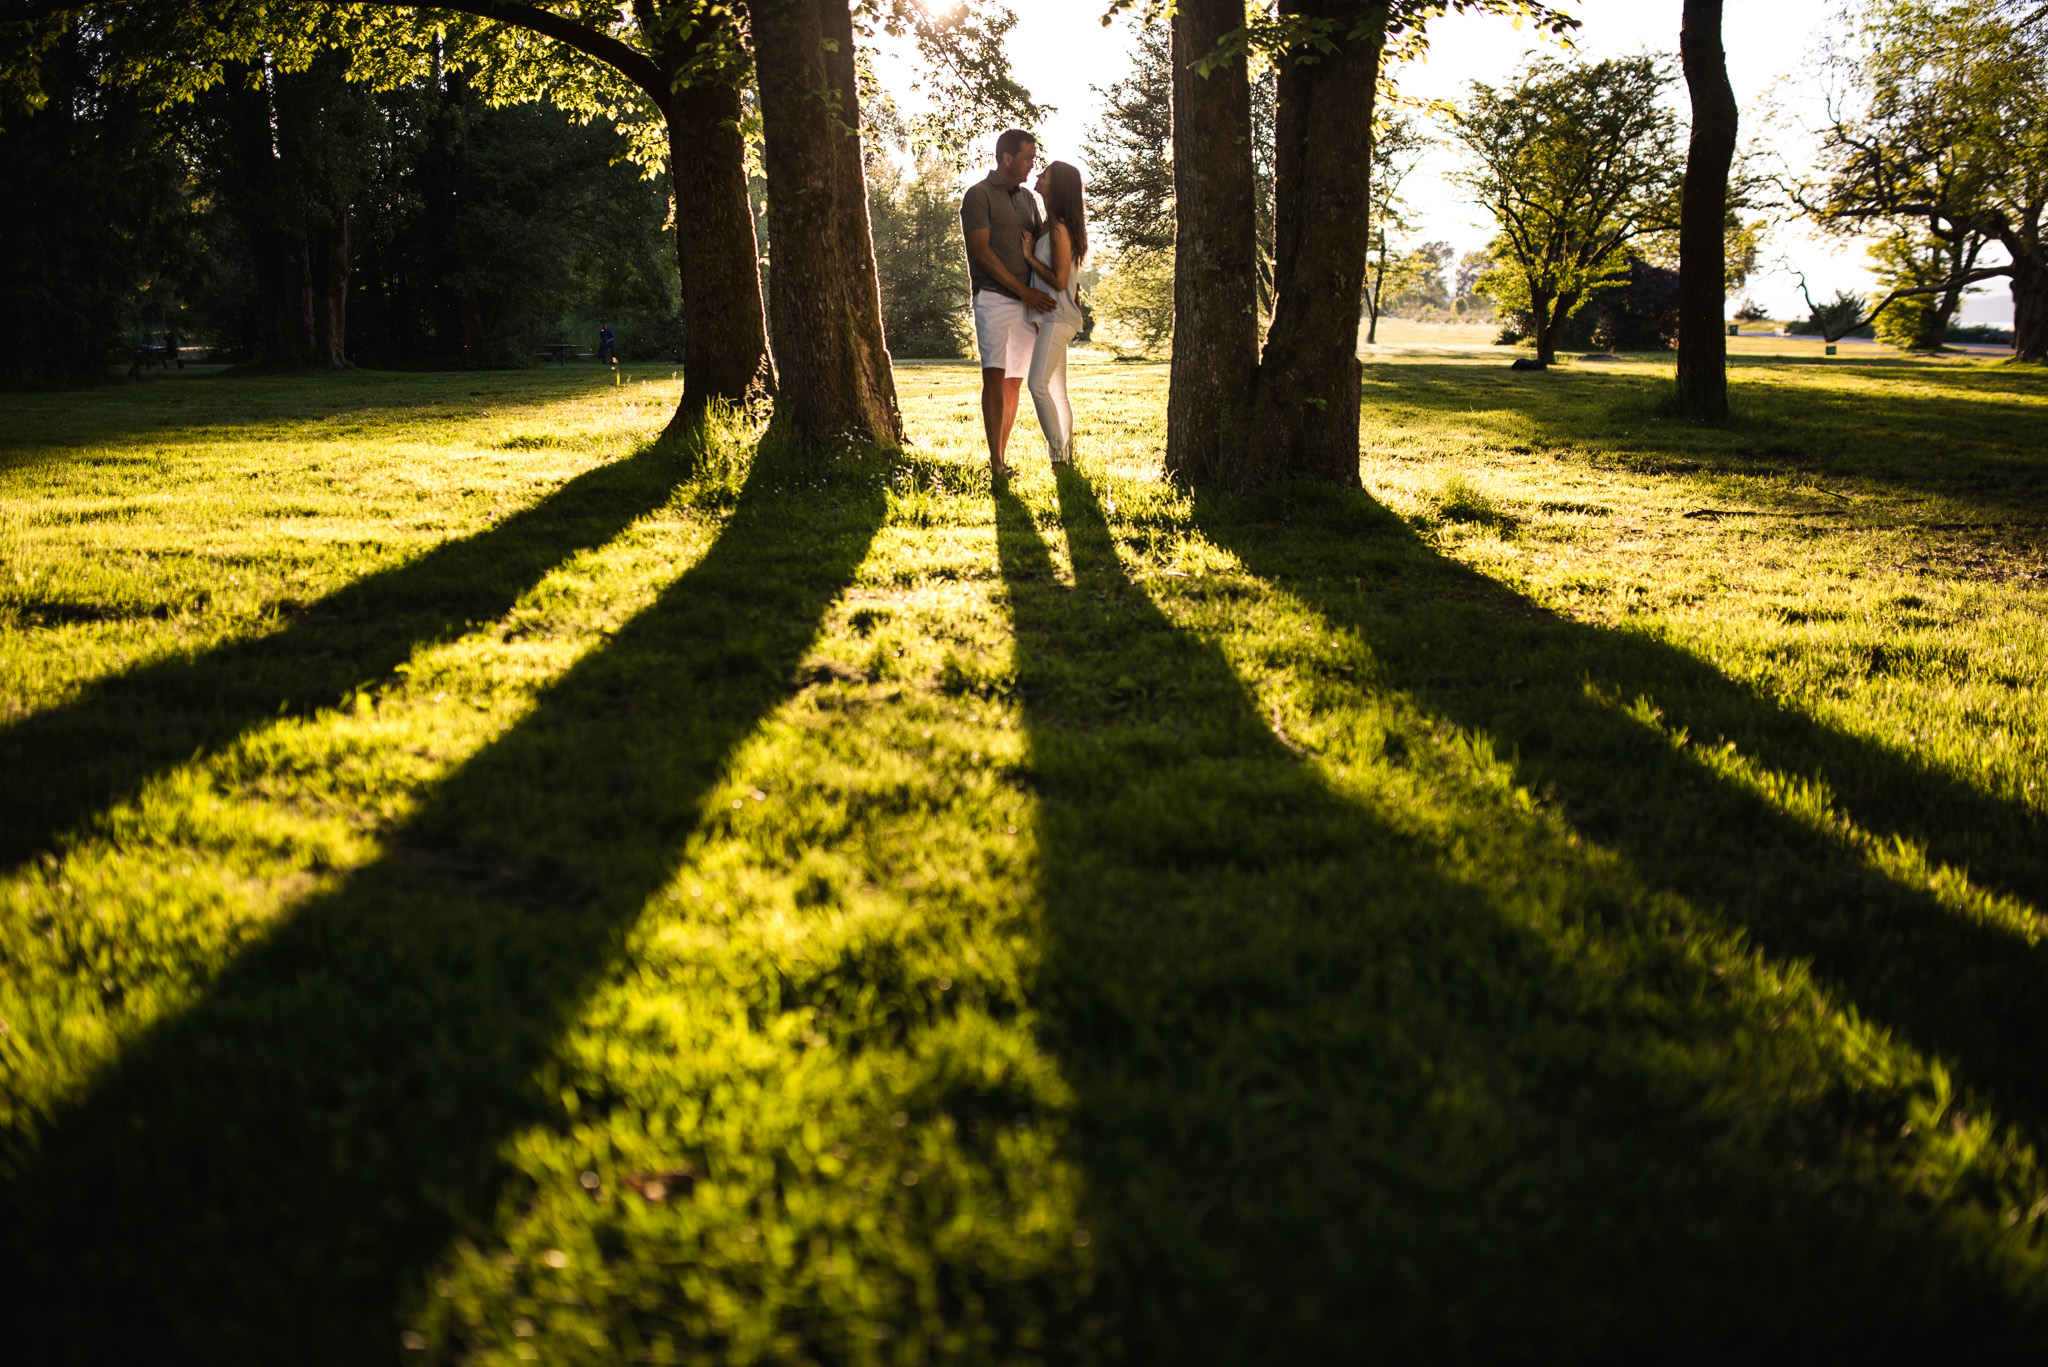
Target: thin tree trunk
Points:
(304, 307)
(1703, 215)
(1305, 418)
(1962, 252)
(1215, 286)
(1372, 295)
(329, 262)
(725, 339)
(830, 361)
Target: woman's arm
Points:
(979, 248)
(1062, 256)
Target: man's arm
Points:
(985, 256)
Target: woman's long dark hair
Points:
(1063, 204)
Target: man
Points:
(607, 344)
(997, 216)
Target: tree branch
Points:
(1970, 277)
(623, 58)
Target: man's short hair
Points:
(1009, 142)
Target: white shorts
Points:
(1004, 333)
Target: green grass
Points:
(476, 886)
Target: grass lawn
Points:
(477, 887)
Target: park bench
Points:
(563, 352)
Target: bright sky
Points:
(1059, 50)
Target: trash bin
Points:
(1734, 329)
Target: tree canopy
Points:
(1577, 162)
(1940, 130)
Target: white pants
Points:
(1003, 333)
(1048, 380)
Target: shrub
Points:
(1136, 299)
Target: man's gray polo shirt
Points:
(1007, 214)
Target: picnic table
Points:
(563, 352)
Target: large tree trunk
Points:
(1703, 216)
(1305, 416)
(856, 223)
(725, 343)
(830, 360)
(1215, 285)
(1542, 318)
(725, 340)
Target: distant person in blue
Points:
(607, 345)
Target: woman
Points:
(1057, 255)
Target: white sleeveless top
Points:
(1069, 309)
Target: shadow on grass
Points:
(1977, 443)
(1334, 1105)
(135, 421)
(72, 761)
(280, 1164)
(1553, 692)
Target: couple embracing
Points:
(1022, 262)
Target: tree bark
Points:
(830, 360)
(1215, 286)
(856, 222)
(1960, 251)
(330, 271)
(2029, 307)
(1374, 291)
(725, 339)
(1703, 215)
(1305, 416)
(1540, 315)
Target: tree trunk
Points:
(1962, 258)
(830, 360)
(1215, 287)
(856, 223)
(329, 262)
(284, 299)
(1540, 321)
(1305, 415)
(725, 338)
(1703, 216)
(457, 313)
(1374, 294)
(2029, 303)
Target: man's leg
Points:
(998, 411)
(1012, 387)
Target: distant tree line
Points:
(473, 154)
(298, 218)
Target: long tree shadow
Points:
(1563, 699)
(63, 765)
(1978, 442)
(1334, 1105)
(280, 1163)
